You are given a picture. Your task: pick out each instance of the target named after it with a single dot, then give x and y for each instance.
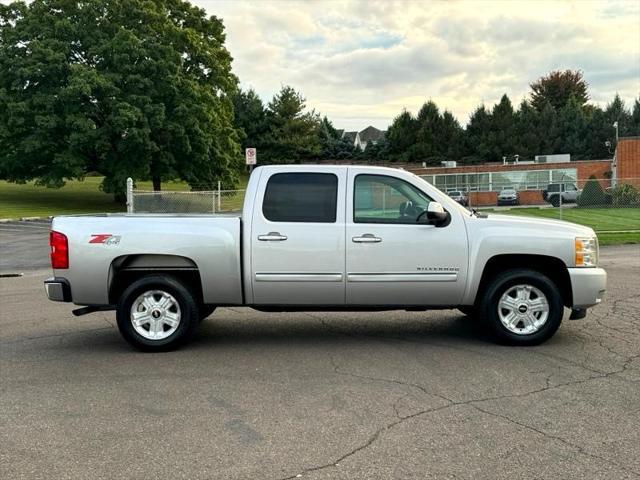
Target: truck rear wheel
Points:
(157, 313)
(522, 307)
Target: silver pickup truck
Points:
(326, 238)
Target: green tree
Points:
(573, 131)
(477, 136)
(635, 118)
(250, 118)
(557, 88)
(126, 88)
(616, 111)
(429, 124)
(333, 145)
(451, 137)
(527, 141)
(293, 131)
(547, 130)
(401, 135)
(501, 136)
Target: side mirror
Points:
(436, 215)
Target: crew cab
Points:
(326, 238)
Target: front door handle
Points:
(272, 237)
(366, 238)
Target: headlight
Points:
(586, 251)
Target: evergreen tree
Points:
(573, 131)
(250, 118)
(477, 136)
(501, 136)
(401, 135)
(617, 112)
(527, 142)
(333, 146)
(635, 118)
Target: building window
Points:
(496, 181)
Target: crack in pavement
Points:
(472, 403)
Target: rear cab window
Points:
(301, 197)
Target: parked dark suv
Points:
(554, 192)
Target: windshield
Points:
(454, 194)
(508, 192)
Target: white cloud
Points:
(361, 62)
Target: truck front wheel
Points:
(157, 313)
(522, 307)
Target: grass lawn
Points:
(618, 238)
(17, 201)
(600, 219)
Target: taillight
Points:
(59, 250)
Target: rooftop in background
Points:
(362, 138)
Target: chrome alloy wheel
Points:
(523, 309)
(155, 315)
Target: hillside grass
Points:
(600, 219)
(76, 197)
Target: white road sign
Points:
(250, 156)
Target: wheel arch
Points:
(554, 268)
(126, 269)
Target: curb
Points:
(24, 219)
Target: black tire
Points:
(189, 313)
(502, 283)
(206, 311)
(555, 201)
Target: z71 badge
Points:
(105, 238)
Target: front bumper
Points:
(58, 289)
(587, 286)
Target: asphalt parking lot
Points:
(315, 395)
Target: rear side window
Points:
(301, 197)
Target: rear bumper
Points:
(58, 289)
(588, 286)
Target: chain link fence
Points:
(198, 201)
(609, 205)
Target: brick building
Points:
(627, 161)
(484, 182)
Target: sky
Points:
(362, 62)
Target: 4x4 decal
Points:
(105, 238)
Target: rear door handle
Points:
(272, 237)
(366, 238)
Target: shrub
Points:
(625, 196)
(593, 195)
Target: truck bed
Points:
(99, 245)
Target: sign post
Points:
(250, 157)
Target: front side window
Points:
(384, 199)
(301, 197)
